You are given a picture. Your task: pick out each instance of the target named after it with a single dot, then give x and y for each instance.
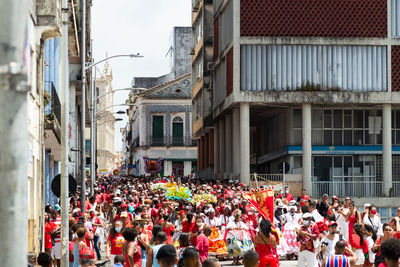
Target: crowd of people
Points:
(141, 224)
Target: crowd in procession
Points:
(143, 224)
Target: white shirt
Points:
(215, 222)
(293, 220)
(317, 216)
(330, 247)
(375, 222)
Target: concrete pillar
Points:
(216, 149)
(167, 167)
(187, 168)
(228, 144)
(387, 148)
(307, 153)
(235, 142)
(203, 152)
(199, 158)
(221, 147)
(245, 143)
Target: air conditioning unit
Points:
(195, 5)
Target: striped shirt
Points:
(337, 261)
(57, 222)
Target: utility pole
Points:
(14, 47)
(83, 107)
(64, 138)
(93, 134)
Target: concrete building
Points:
(160, 124)
(202, 66)
(312, 83)
(44, 109)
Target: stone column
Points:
(187, 168)
(221, 147)
(307, 153)
(216, 149)
(245, 143)
(228, 144)
(387, 148)
(236, 142)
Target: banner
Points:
(263, 200)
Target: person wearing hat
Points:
(167, 256)
(87, 258)
(217, 246)
(291, 220)
(306, 235)
(327, 244)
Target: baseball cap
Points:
(87, 254)
(57, 207)
(124, 214)
(166, 251)
(307, 215)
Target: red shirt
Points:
(50, 227)
(88, 241)
(303, 200)
(187, 226)
(71, 248)
(202, 247)
(116, 243)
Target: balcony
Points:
(177, 141)
(52, 121)
(348, 188)
(52, 109)
(157, 141)
(49, 15)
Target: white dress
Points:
(288, 242)
(342, 224)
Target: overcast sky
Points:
(135, 26)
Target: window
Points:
(88, 145)
(158, 131)
(177, 131)
(346, 127)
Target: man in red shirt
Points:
(306, 235)
(303, 199)
(286, 194)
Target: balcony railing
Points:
(348, 188)
(266, 177)
(177, 141)
(396, 189)
(53, 108)
(157, 141)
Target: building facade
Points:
(105, 155)
(44, 108)
(313, 84)
(202, 70)
(161, 130)
(160, 116)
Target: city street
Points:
(190, 128)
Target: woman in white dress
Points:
(238, 238)
(291, 222)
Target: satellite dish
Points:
(56, 187)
